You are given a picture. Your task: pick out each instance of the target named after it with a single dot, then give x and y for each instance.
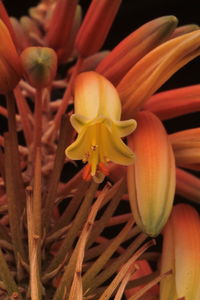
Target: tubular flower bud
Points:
(21, 39)
(96, 26)
(155, 68)
(61, 21)
(151, 180)
(187, 185)
(135, 46)
(174, 103)
(181, 254)
(97, 121)
(30, 28)
(10, 68)
(39, 65)
(186, 146)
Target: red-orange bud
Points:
(96, 26)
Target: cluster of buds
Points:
(110, 118)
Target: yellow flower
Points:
(97, 121)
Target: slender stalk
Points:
(67, 94)
(33, 246)
(7, 279)
(143, 290)
(14, 185)
(124, 270)
(37, 202)
(74, 268)
(64, 140)
(74, 230)
(38, 120)
(88, 278)
(62, 108)
(24, 112)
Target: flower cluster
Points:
(105, 112)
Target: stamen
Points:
(94, 147)
(87, 172)
(103, 168)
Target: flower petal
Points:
(124, 128)
(78, 148)
(96, 96)
(115, 149)
(78, 121)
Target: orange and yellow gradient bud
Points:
(181, 254)
(10, 68)
(97, 121)
(151, 180)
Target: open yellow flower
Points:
(97, 121)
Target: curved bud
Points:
(95, 26)
(39, 65)
(187, 185)
(174, 103)
(10, 68)
(135, 46)
(186, 146)
(151, 180)
(21, 39)
(149, 73)
(30, 28)
(61, 23)
(183, 30)
(181, 254)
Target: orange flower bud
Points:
(186, 146)
(135, 46)
(61, 23)
(40, 65)
(151, 179)
(96, 26)
(174, 103)
(148, 74)
(30, 28)
(20, 37)
(184, 29)
(181, 254)
(187, 185)
(10, 68)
